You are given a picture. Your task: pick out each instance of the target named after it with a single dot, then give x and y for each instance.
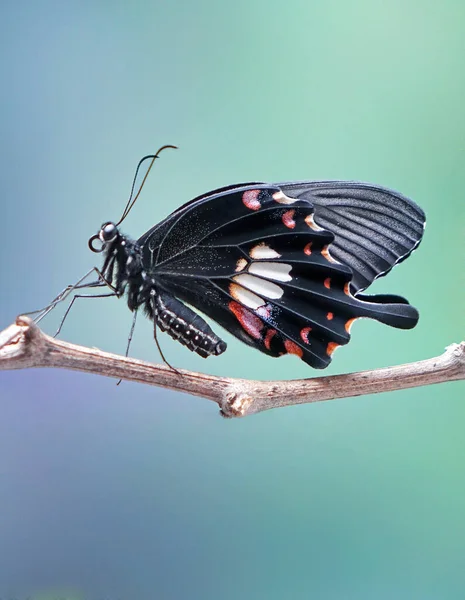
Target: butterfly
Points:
(280, 266)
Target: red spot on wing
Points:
(347, 289)
(330, 316)
(268, 337)
(250, 199)
(288, 218)
(293, 348)
(304, 334)
(308, 249)
(248, 321)
(331, 347)
(327, 282)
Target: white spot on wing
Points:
(245, 297)
(281, 198)
(260, 286)
(277, 271)
(263, 251)
(241, 264)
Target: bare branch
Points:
(24, 345)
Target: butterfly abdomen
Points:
(183, 324)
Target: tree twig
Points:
(24, 345)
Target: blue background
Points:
(136, 492)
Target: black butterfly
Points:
(280, 266)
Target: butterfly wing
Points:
(255, 261)
(374, 227)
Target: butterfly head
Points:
(108, 233)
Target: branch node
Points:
(235, 404)
(17, 340)
(457, 350)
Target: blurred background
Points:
(137, 492)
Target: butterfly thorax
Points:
(123, 269)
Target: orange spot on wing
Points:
(250, 199)
(349, 324)
(327, 255)
(327, 282)
(293, 348)
(331, 347)
(304, 334)
(308, 249)
(330, 316)
(288, 218)
(347, 289)
(268, 337)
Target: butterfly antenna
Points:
(131, 201)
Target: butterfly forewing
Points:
(375, 228)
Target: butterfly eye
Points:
(108, 232)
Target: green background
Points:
(136, 492)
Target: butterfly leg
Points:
(73, 301)
(129, 340)
(42, 312)
(161, 351)
(131, 333)
(61, 296)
